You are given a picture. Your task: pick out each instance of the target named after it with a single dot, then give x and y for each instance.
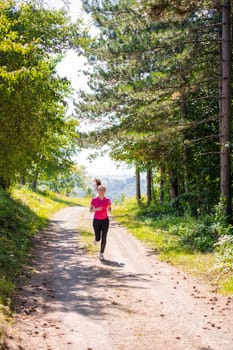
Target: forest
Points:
(160, 96)
(38, 136)
(160, 99)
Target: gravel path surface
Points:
(130, 301)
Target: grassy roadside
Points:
(163, 235)
(22, 213)
(85, 233)
(86, 237)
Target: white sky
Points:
(75, 7)
(70, 67)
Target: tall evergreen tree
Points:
(152, 84)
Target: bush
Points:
(196, 235)
(224, 248)
(6, 290)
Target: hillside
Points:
(122, 187)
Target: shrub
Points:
(224, 248)
(195, 235)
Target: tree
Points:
(66, 180)
(32, 95)
(154, 90)
(138, 186)
(225, 121)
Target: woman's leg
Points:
(105, 226)
(97, 225)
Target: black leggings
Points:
(101, 230)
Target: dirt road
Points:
(72, 301)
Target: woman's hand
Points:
(98, 209)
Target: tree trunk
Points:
(162, 182)
(22, 180)
(149, 185)
(173, 185)
(185, 151)
(138, 186)
(219, 9)
(4, 183)
(225, 130)
(34, 183)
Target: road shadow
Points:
(65, 279)
(112, 263)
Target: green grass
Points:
(179, 241)
(86, 237)
(44, 204)
(226, 285)
(22, 213)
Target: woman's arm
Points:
(93, 209)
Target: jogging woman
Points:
(100, 206)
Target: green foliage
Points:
(122, 198)
(35, 132)
(17, 224)
(224, 245)
(224, 248)
(154, 91)
(6, 293)
(221, 224)
(209, 233)
(195, 235)
(190, 234)
(65, 180)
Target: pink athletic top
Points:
(104, 203)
